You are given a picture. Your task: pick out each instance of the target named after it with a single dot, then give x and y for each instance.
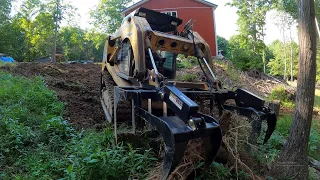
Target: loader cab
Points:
(165, 62)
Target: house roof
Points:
(134, 6)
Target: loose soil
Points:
(77, 85)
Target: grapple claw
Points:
(210, 145)
(272, 121)
(173, 155)
(176, 135)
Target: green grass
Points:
(37, 143)
(279, 93)
(188, 62)
(188, 77)
(317, 99)
(2, 63)
(284, 121)
(283, 129)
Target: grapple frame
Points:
(177, 129)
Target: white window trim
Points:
(171, 12)
(215, 31)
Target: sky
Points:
(226, 19)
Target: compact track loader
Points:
(137, 84)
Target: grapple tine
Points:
(272, 121)
(256, 126)
(212, 144)
(173, 155)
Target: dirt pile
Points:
(253, 80)
(77, 85)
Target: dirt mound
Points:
(257, 82)
(77, 85)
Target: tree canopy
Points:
(29, 34)
(107, 16)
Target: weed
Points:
(313, 174)
(283, 129)
(188, 77)
(95, 156)
(219, 171)
(188, 62)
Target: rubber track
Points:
(124, 107)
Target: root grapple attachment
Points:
(183, 125)
(182, 122)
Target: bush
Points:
(280, 93)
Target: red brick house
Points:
(200, 10)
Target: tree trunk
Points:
(285, 56)
(263, 54)
(291, 57)
(56, 19)
(264, 60)
(293, 159)
(55, 42)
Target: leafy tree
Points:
(72, 41)
(96, 43)
(5, 9)
(78, 44)
(291, 7)
(60, 10)
(251, 22)
(222, 45)
(284, 22)
(37, 19)
(243, 57)
(276, 63)
(107, 16)
(12, 39)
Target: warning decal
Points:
(176, 100)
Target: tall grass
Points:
(37, 143)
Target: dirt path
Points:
(76, 84)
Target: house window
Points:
(171, 13)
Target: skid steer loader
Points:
(137, 84)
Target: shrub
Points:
(280, 93)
